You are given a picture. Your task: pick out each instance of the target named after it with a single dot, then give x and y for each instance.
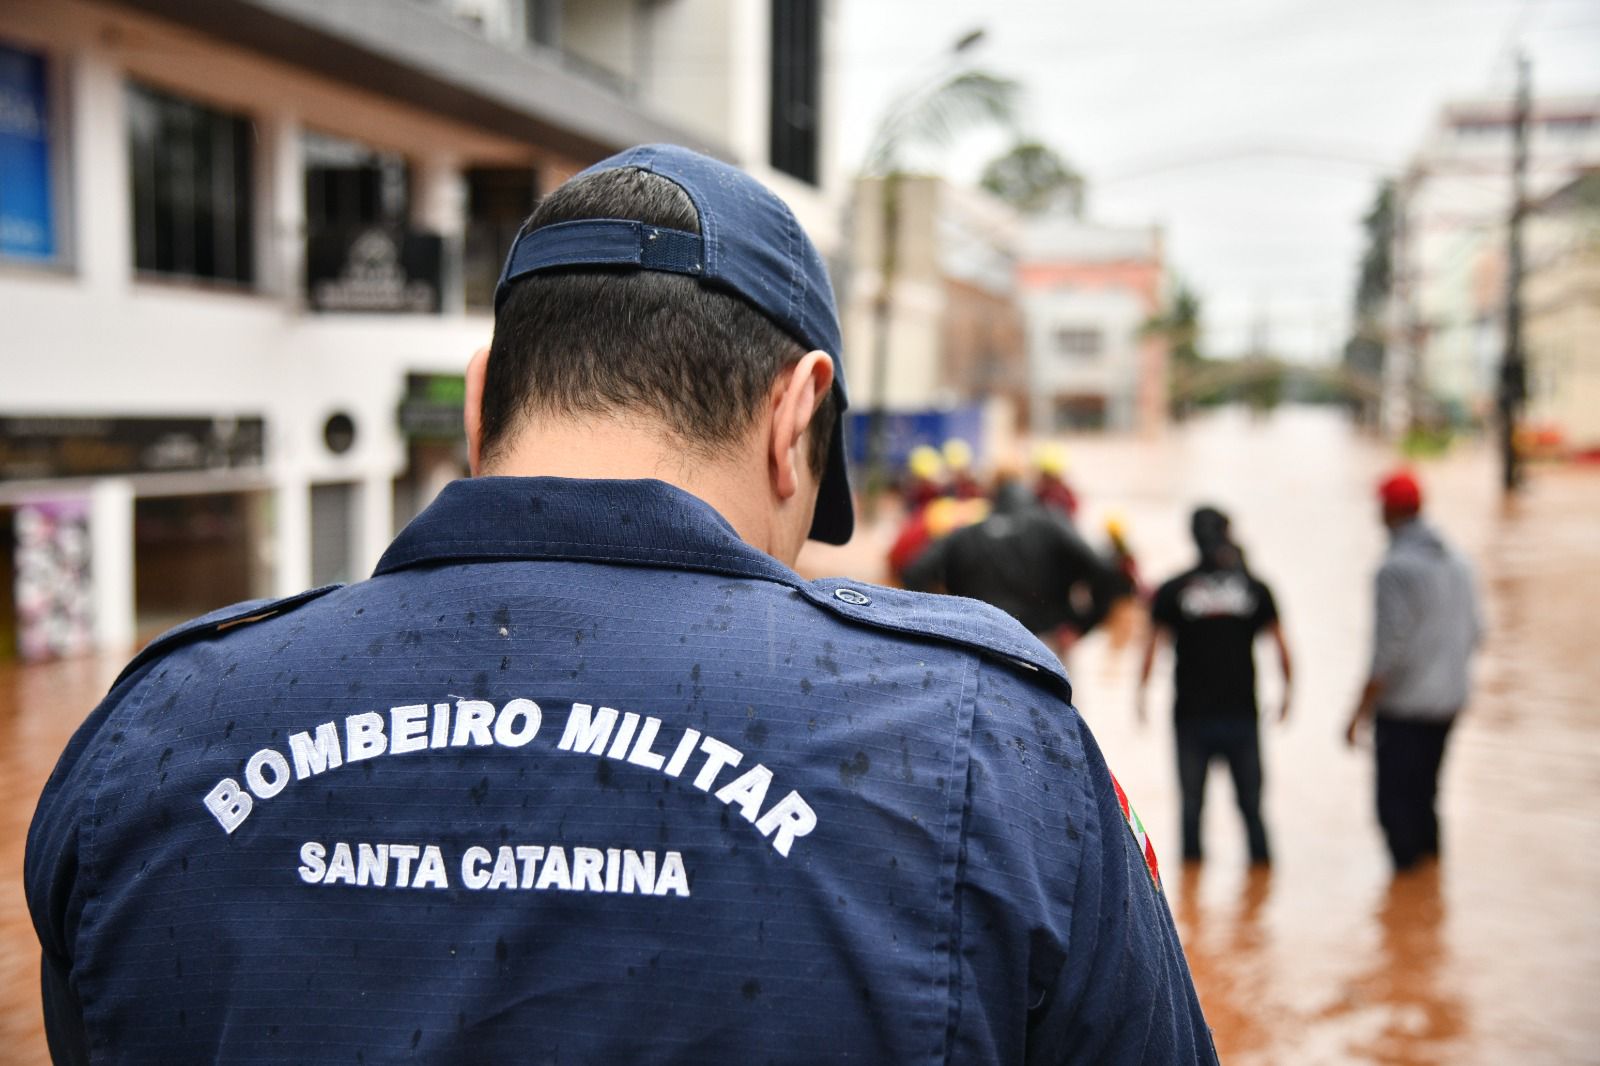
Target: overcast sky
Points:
(1254, 131)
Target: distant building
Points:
(1088, 291)
(1561, 323)
(955, 337)
(1453, 203)
(247, 246)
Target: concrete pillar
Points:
(374, 522)
(749, 85)
(102, 206)
(439, 205)
(281, 221)
(111, 562)
(291, 535)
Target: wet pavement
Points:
(1494, 957)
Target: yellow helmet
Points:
(945, 515)
(1116, 526)
(924, 462)
(957, 454)
(1050, 458)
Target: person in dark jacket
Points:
(1027, 561)
(585, 772)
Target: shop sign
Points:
(45, 447)
(432, 408)
(376, 268)
(27, 228)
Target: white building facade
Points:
(945, 235)
(1454, 204)
(1089, 290)
(246, 249)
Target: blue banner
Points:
(904, 430)
(27, 222)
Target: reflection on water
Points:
(1223, 944)
(1408, 989)
(1491, 958)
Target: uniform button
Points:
(852, 597)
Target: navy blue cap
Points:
(749, 244)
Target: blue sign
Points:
(27, 222)
(904, 430)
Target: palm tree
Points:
(1179, 325)
(930, 115)
(1033, 178)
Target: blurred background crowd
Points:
(1097, 262)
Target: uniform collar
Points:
(645, 522)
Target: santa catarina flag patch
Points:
(1146, 848)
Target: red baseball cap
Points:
(1400, 492)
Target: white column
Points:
(374, 522)
(439, 205)
(281, 219)
(749, 115)
(101, 201)
(291, 535)
(111, 562)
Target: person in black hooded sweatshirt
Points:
(1027, 561)
(1213, 614)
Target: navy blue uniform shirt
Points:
(580, 777)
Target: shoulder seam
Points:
(818, 594)
(257, 611)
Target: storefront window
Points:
(796, 101)
(192, 203)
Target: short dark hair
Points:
(598, 339)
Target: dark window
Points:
(1478, 128)
(498, 201)
(796, 86)
(191, 188)
(1079, 412)
(349, 185)
(1569, 125)
(543, 21)
(333, 534)
(1079, 343)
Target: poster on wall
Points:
(27, 225)
(55, 612)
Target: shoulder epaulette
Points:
(219, 621)
(954, 619)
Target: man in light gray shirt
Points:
(1426, 629)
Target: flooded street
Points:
(1492, 958)
(1496, 957)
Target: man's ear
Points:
(477, 370)
(795, 397)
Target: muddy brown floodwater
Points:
(1493, 958)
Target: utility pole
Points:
(882, 325)
(1513, 368)
(1404, 406)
